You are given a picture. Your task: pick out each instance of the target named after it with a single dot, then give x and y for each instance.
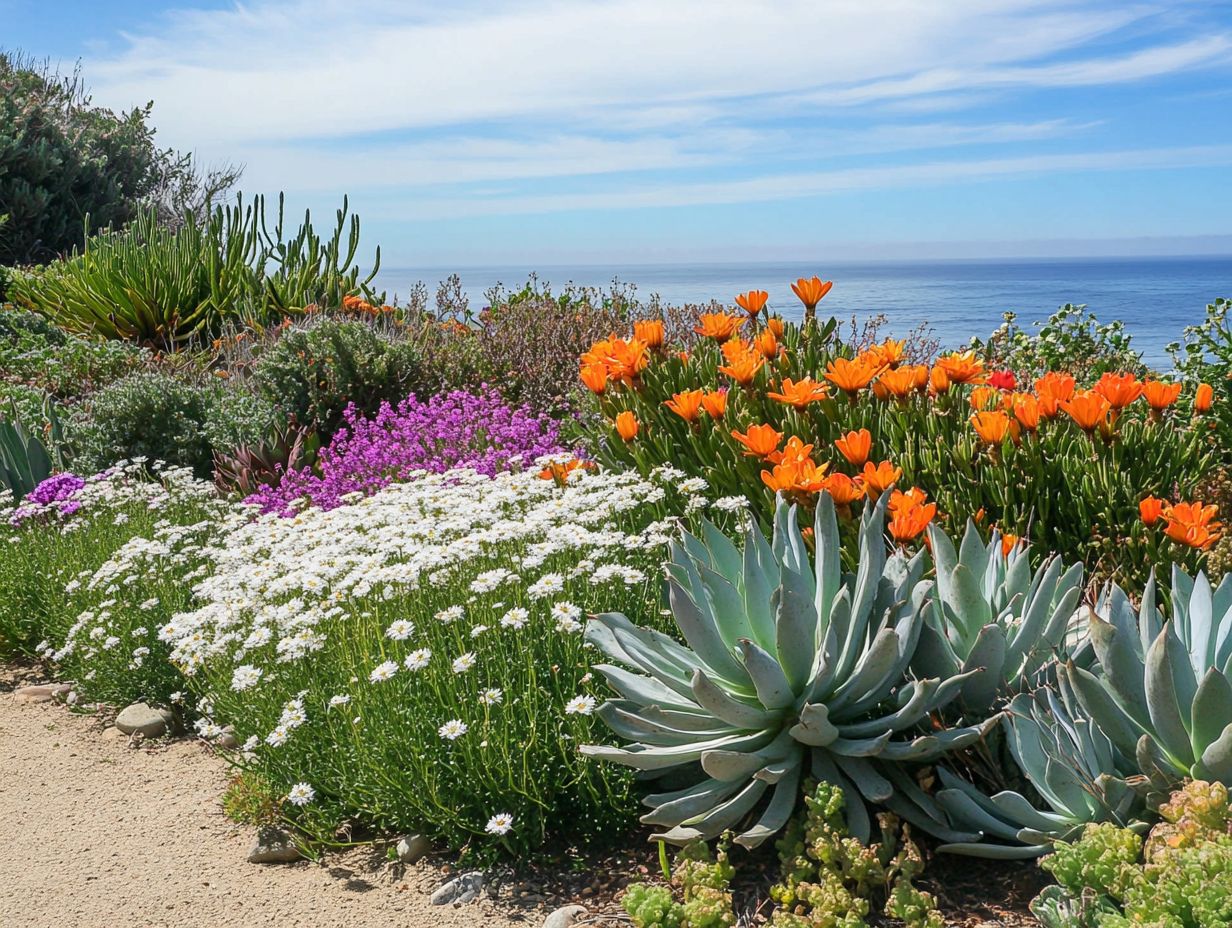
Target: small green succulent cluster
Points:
(829, 877)
(1180, 876)
(703, 882)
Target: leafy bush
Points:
(1179, 877)
(1072, 340)
(794, 411)
(167, 287)
(1205, 357)
(459, 429)
(314, 374)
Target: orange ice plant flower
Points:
(850, 376)
(1160, 395)
(879, 477)
(799, 393)
(938, 380)
(595, 377)
(1192, 524)
(810, 292)
(626, 425)
(767, 343)
(843, 489)
(719, 326)
(687, 405)
(1008, 543)
(994, 427)
(744, 367)
(962, 367)
(649, 331)
(775, 325)
(799, 476)
(1150, 509)
(560, 470)
(1204, 398)
(855, 446)
(901, 501)
(760, 440)
(1027, 411)
(1088, 409)
(793, 452)
(752, 302)
(715, 403)
(984, 397)
(909, 523)
(1119, 389)
(623, 360)
(901, 382)
(887, 353)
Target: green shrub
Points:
(1205, 356)
(1072, 340)
(38, 355)
(167, 287)
(149, 415)
(312, 374)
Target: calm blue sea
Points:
(1156, 297)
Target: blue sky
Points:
(580, 130)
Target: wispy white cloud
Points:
(784, 186)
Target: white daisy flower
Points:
(301, 794)
(245, 677)
(515, 618)
(400, 630)
(499, 824)
(340, 700)
(478, 630)
(452, 730)
(383, 672)
(452, 614)
(492, 696)
(580, 705)
(417, 659)
(464, 663)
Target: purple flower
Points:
(54, 489)
(460, 429)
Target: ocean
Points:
(1155, 297)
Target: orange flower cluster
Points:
(361, 307)
(910, 513)
(614, 360)
(1191, 524)
(743, 361)
(719, 326)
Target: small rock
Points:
(461, 889)
(413, 848)
(143, 718)
(273, 846)
(565, 916)
(227, 740)
(43, 692)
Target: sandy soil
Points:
(97, 834)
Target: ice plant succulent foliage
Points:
(1058, 463)
(791, 668)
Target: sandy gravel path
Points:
(96, 834)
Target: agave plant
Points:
(245, 469)
(788, 671)
(1073, 767)
(25, 461)
(987, 616)
(1163, 690)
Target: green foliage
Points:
(1162, 691)
(1205, 356)
(989, 618)
(829, 878)
(703, 883)
(788, 668)
(151, 416)
(1180, 877)
(25, 460)
(1072, 340)
(167, 287)
(63, 160)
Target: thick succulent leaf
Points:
(968, 812)
(1222, 608)
(644, 757)
(668, 809)
(773, 690)
(1122, 667)
(1212, 710)
(1105, 711)
(934, 655)
(1216, 760)
(1197, 635)
(777, 812)
(872, 785)
(702, 636)
(759, 586)
(986, 664)
(919, 702)
(968, 609)
(644, 690)
(920, 809)
(634, 727)
(814, 727)
(795, 630)
(727, 605)
(929, 747)
(713, 698)
(878, 669)
(740, 765)
(828, 556)
(1164, 694)
(725, 557)
(973, 552)
(714, 822)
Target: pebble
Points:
(565, 916)
(143, 718)
(42, 692)
(460, 890)
(273, 846)
(413, 848)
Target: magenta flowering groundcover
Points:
(459, 429)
